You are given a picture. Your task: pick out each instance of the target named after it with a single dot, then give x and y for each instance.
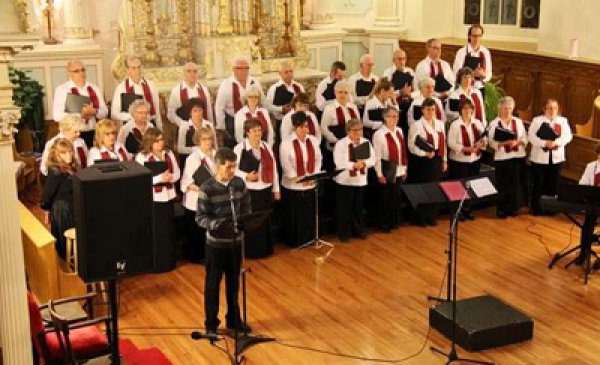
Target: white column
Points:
(14, 314)
(387, 13)
(322, 14)
(77, 22)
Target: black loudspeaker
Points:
(482, 323)
(113, 219)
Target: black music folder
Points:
(420, 194)
(376, 114)
(201, 175)
(132, 144)
(401, 79)
(546, 133)
(183, 112)
(454, 104)
(417, 112)
(362, 151)
(329, 93)
(321, 175)
(74, 103)
(389, 170)
(338, 131)
(364, 88)
(282, 96)
(248, 163)
(423, 144)
(472, 62)
(127, 99)
(189, 138)
(157, 167)
(503, 134)
(441, 84)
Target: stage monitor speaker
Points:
(482, 323)
(113, 220)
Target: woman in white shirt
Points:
(106, 146)
(466, 90)
(163, 226)
(300, 103)
(70, 128)
(262, 183)
(381, 97)
(202, 154)
(252, 109)
(187, 130)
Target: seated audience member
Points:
(351, 183)
(509, 158)
(253, 110)
(465, 143)
(301, 103)
(202, 155)
(427, 166)
(426, 87)
(390, 166)
(57, 196)
(187, 129)
(465, 90)
(300, 156)
(70, 128)
(132, 133)
(262, 183)
(189, 88)
(106, 146)
(163, 225)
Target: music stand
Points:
(588, 196)
(317, 241)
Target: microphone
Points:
(212, 337)
(231, 190)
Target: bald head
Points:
(286, 71)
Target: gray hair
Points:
(72, 62)
(137, 104)
(131, 57)
(506, 100)
(252, 90)
(340, 85)
(240, 59)
(366, 56)
(387, 110)
(353, 123)
(399, 52)
(71, 122)
(425, 81)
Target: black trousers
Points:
(230, 128)
(350, 220)
(196, 238)
(259, 242)
(298, 221)
(390, 204)
(165, 256)
(510, 182)
(219, 262)
(545, 181)
(463, 170)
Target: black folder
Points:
(157, 167)
(127, 99)
(423, 144)
(441, 84)
(376, 114)
(248, 163)
(417, 112)
(389, 169)
(189, 138)
(74, 103)
(503, 134)
(362, 151)
(338, 131)
(183, 112)
(420, 194)
(329, 93)
(282, 96)
(472, 62)
(364, 88)
(201, 175)
(132, 144)
(454, 104)
(401, 79)
(546, 133)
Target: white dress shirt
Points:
(456, 143)
(78, 144)
(459, 62)
(224, 103)
(501, 153)
(421, 128)
(259, 184)
(352, 80)
(341, 157)
(456, 95)
(389, 74)
(167, 193)
(277, 111)
(417, 101)
(241, 117)
(117, 153)
(373, 104)
(537, 154)
(423, 70)
(380, 145)
(320, 100)
(329, 118)
(287, 157)
(175, 101)
(192, 163)
(287, 128)
(138, 89)
(128, 128)
(589, 175)
(60, 99)
(182, 135)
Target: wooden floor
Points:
(369, 298)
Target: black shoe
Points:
(469, 216)
(462, 217)
(344, 239)
(211, 334)
(242, 327)
(432, 223)
(512, 213)
(386, 229)
(362, 235)
(501, 215)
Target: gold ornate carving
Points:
(8, 121)
(22, 10)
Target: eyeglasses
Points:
(476, 35)
(78, 70)
(242, 68)
(192, 71)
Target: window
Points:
(514, 13)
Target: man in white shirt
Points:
(229, 97)
(135, 83)
(473, 53)
(77, 85)
(280, 94)
(433, 66)
(187, 89)
(325, 93)
(363, 82)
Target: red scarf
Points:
(597, 179)
(441, 145)
(513, 127)
(354, 171)
(92, 95)
(341, 117)
(266, 161)
(184, 97)
(482, 58)
(396, 155)
(159, 188)
(310, 151)
(311, 126)
(466, 141)
(82, 157)
(147, 93)
(297, 89)
(235, 94)
(558, 130)
(478, 105)
(137, 134)
(263, 122)
(438, 112)
(432, 69)
(107, 156)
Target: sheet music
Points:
(483, 187)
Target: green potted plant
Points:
(29, 96)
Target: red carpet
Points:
(134, 356)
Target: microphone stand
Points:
(452, 355)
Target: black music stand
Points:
(588, 196)
(317, 241)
